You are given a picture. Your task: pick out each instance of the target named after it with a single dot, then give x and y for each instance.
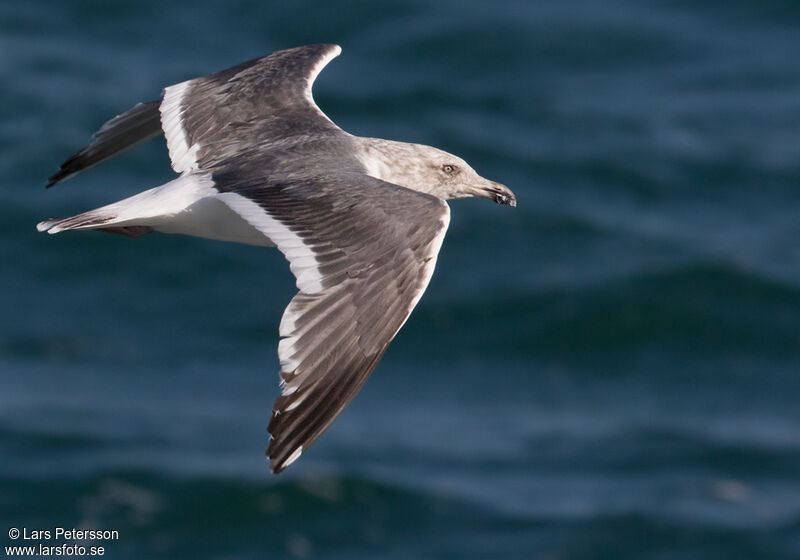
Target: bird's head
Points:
(430, 170)
(454, 178)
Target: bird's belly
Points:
(212, 219)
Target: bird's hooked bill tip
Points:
(501, 194)
(505, 200)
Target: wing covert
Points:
(262, 101)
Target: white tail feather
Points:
(189, 205)
(150, 208)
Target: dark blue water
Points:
(610, 370)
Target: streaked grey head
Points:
(429, 170)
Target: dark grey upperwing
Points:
(209, 119)
(252, 106)
(363, 252)
(124, 131)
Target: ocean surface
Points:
(611, 370)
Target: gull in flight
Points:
(360, 220)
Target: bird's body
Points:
(360, 220)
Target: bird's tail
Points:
(133, 216)
(164, 208)
(88, 220)
(93, 219)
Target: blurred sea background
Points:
(610, 370)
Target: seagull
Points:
(360, 220)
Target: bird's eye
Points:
(449, 169)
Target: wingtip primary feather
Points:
(65, 171)
(139, 123)
(279, 464)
